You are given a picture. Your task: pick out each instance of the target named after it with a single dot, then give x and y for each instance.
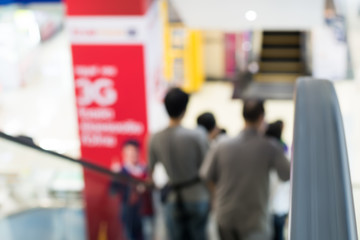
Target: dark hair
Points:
(253, 109)
(131, 142)
(176, 101)
(274, 129)
(207, 120)
(223, 131)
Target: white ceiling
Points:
(229, 15)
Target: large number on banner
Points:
(101, 91)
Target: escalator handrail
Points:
(125, 179)
(321, 202)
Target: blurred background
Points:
(219, 52)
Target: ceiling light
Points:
(251, 15)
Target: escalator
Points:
(322, 205)
(281, 62)
(41, 193)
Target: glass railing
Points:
(42, 194)
(322, 202)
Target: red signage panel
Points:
(111, 106)
(106, 8)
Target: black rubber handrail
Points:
(322, 203)
(85, 163)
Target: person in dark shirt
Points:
(136, 211)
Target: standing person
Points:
(206, 125)
(281, 198)
(274, 130)
(136, 210)
(239, 168)
(181, 152)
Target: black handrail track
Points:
(84, 163)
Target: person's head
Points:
(176, 101)
(254, 112)
(223, 131)
(130, 152)
(275, 129)
(207, 120)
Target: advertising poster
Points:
(119, 92)
(108, 116)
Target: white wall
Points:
(214, 54)
(229, 15)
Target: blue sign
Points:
(5, 2)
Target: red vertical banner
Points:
(111, 105)
(115, 69)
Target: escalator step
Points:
(282, 46)
(276, 59)
(281, 72)
(281, 53)
(281, 67)
(281, 40)
(276, 77)
(280, 33)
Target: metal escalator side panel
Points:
(322, 203)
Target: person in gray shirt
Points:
(239, 168)
(181, 151)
